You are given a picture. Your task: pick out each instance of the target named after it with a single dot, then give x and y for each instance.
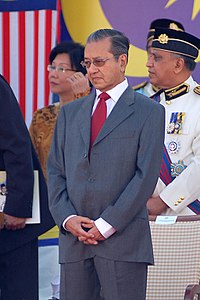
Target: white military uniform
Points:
(182, 146)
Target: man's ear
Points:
(179, 65)
(123, 62)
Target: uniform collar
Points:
(179, 90)
(176, 91)
(155, 88)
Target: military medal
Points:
(173, 147)
(170, 128)
(171, 125)
(176, 122)
(179, 122)
(177, 127)
(177, 168)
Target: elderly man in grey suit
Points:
(103, 165)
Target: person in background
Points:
(3, 189)
(103, 165)
(146, 88)
(170, 66)
(18, 240)
(67, 79)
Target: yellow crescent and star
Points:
(196, 7)
(80, 12)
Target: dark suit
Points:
(117, 181)
(18, 159)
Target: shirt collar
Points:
(116, 92)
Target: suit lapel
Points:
(122, 110)
(84, 118)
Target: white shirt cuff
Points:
(104, 228)
(65, 221)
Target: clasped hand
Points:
(12, 223)
(84, 229)
(156, 206)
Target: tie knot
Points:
(104, 96)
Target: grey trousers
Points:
(102, 279)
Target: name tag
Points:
(166, 220)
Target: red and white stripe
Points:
(26, 39)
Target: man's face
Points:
(161, 66)
(111, 73)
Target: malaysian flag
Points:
(27, 34)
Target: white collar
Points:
(116, 92)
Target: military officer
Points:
(170, 66)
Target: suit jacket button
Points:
(85, 155)
(91, 179)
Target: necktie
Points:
(156, 96)
(98, 117)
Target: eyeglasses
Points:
(59, 69)
(98, 62)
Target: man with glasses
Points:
(103, 165)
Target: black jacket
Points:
(18, 159)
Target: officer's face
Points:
(162, 68)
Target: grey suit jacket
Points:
(117, 181)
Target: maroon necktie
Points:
(98, 117)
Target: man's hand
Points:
(1, 220)
(156, 206)
(76, 226)
(14, 223)
(80, 84)
(97, 237)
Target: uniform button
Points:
(85, 155)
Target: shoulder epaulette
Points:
(139, 86)
(197, 90)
